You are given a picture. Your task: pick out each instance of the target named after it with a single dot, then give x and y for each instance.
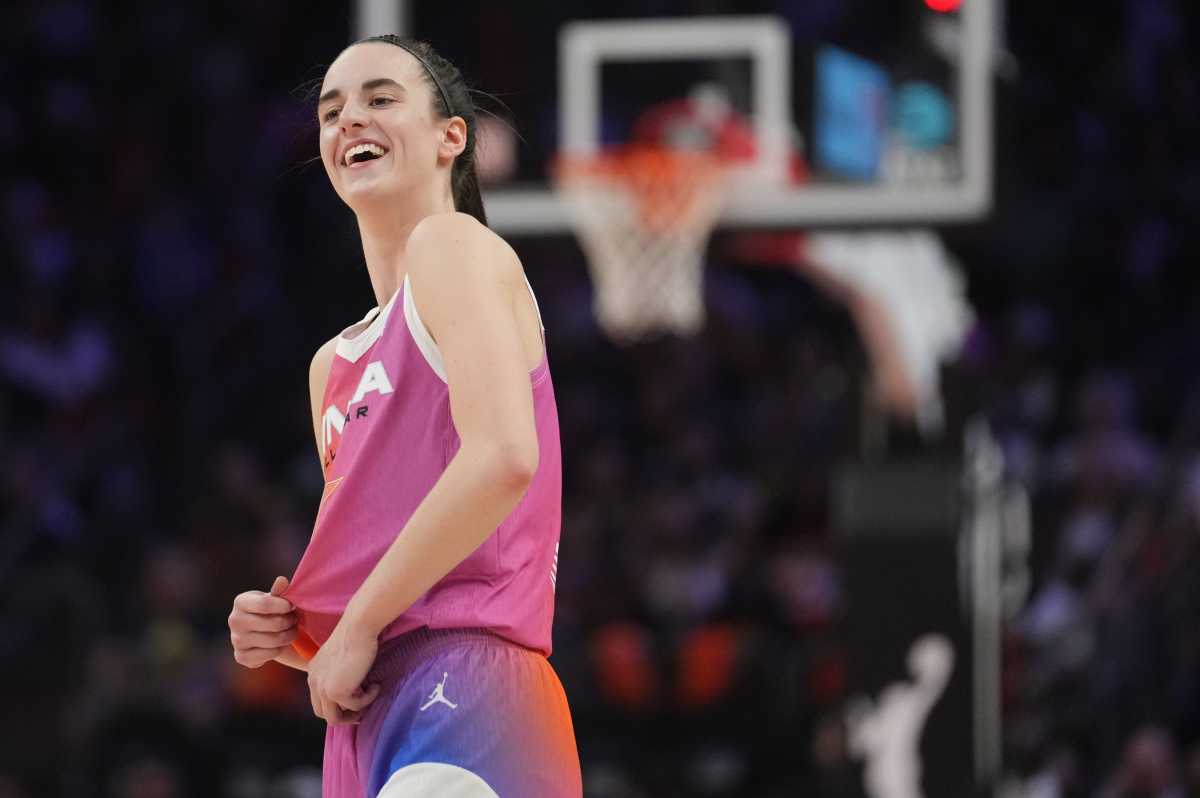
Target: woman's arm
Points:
(464, 278)
(318, 376)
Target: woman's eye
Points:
(376, 101)
(330, 114)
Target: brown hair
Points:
(451, 97)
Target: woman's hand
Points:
(262, 625)
(336, 674)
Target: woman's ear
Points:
(454, 137)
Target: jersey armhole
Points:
(429, 348)
(536, 307)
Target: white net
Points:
(643, 218)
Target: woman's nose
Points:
(353, 116)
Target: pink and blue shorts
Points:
(462, 713)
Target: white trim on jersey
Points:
(536, 307)
(429, 349)
(435, 778)
(353, 348)
(433, 355)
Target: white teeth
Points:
(366, 147)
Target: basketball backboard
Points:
(889, 103)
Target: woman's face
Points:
(379, 137)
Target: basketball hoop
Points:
(643, 215)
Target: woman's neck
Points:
(385, 239)
(383, 247)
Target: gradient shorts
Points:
(462, 714)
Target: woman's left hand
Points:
(336, 674)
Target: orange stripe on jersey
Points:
(330, 487)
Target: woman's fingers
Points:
(275, 623)
(349, 708)
(256, 657)
(314, 695)
(346, 709)
(359, 700)
(243, 640)
(260, 603)
(250, 622)
(261, 625)
(348, 716)
(267, 623)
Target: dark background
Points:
(170, 264)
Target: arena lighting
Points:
(943, 6)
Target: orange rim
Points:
(667, 184)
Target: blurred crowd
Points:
(171, 262)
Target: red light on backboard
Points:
(943, 6)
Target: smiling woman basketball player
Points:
(422, 606)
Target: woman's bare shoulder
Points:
(458, 240)
(323, 359)
(318, 372)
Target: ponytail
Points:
(464, 184)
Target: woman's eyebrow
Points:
(373, 83)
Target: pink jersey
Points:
(387, 436)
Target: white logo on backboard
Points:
(438, 696)
(887, 734)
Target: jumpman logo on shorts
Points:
(438, 695)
